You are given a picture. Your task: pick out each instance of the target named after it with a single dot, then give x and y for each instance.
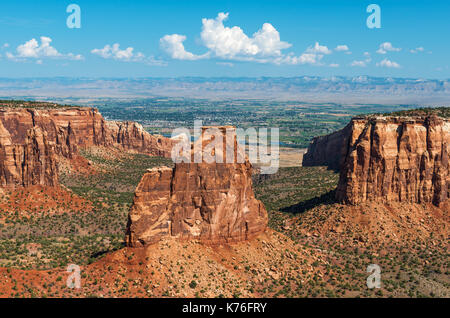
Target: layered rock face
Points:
(396, 158)
(61, 132)
(31, 163)
(74, 127)
(131, 136)
(211, 202)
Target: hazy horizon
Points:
(339, 89)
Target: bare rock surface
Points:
(387, 158)
(397, 158)
(32, 140)
(31, 163)
(211, 202)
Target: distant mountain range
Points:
(360, 89)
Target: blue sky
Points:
(236, 38)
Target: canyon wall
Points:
(74, 127)
(390, 159)
(131, 136)
(211, 202)
(329, 150)
(31, 140)
(401, 159)
(33, 162)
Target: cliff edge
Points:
(389, 158)
(33, 139)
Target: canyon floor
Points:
(314, 247)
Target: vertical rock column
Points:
(212, 202)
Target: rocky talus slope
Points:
(32, 140)
(211, 202)
(401, 159)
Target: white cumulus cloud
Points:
(341, 48)
(32, 49)
(229, 43)
(114, 51)
(126, 55)
(232, 44)
(358, 63)
(362, 63)
(305, 58)
(387, 47)
(318, 49)
(173, 45)
(388, 63)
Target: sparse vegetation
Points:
(30, 104)
(83, 226)
(315, 247)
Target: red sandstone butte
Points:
(211, 202)
(388, 158)
(31, 140)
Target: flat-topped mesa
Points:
(82, 127)
(66, 129)
(211, 202)
(396, 158)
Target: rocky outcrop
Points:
(396, 159)
(73, 127)
(131, 136)
(211, 202)
(31, 163)
(62, 132)
(329, 150)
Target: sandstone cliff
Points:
(74, 127)
(131, 136)
(44, 134)
(328, 150)
(391, 159)
(397, 158)
(30, 163)
(212, 202)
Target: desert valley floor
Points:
(314, 246)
